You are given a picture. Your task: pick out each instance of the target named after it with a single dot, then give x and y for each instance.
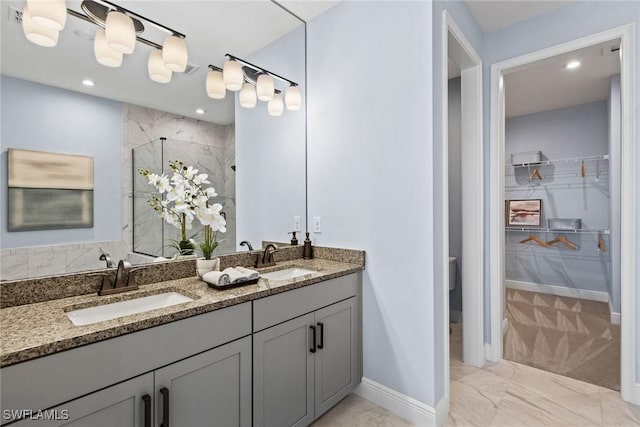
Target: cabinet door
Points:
(209, 389)
(335, 364)
(121, 405)
(283, 374)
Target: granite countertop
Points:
(34, 330)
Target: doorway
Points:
(499, 239)
(459, 54)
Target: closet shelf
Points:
(560, 161)
(552, 230)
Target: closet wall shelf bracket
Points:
(551, 230)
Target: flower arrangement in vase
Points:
(183, 198)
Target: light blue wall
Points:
(572, 21)
(461, 15)
(44, 118)
(564, 133)
(613, 110)
(370, 172)
(270, 152)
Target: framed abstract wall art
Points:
(49, 190)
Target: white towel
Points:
(217, 278)
(251, 274)
(234, 275)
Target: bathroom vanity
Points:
(277, 353)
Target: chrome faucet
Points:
(123, 281)
(266, 260)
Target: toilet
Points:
(452, 273)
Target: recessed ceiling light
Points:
(88, 82)
(200, 111)
(573, 65)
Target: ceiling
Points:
(494, 15)
(548, 85)
(308, 9)
(213, 28)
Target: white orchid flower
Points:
(163, 184)
(201, 179)
(210, 192)
(190, 172)
(175, 193)
(178, 179)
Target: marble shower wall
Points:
(207, 146)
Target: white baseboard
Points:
(560, 291)
(404, 406)
(615, 318)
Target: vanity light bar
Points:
(216, 68)
(131, 14)
(260, 69)
(86, 18)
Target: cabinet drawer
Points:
(45, 382)
(279, 308)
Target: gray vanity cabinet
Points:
(209, 389)
(283, 374)
(336, 371)
(304, 366)
(127, 404)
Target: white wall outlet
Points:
(317, 224)
(296, 223)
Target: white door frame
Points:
(472, 177)
(627, 188)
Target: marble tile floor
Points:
(505, 394)
(355, 411)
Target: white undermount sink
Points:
(100, 313)
(287, 274)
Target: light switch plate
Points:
(317, 224)
(296, 223)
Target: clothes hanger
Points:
(601, 245)
(563, 240)
(536, 239)
(535, 174)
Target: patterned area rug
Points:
(568, 336)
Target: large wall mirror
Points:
(126, 121)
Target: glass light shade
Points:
(265, 88)
(104, 54)
(275, 107)
(120, 32)
(50, 14)
(158, 72)
(292, 98)
(248, 97)
(174, 53)
(215, 85)
(38, 34)
(232, 73)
